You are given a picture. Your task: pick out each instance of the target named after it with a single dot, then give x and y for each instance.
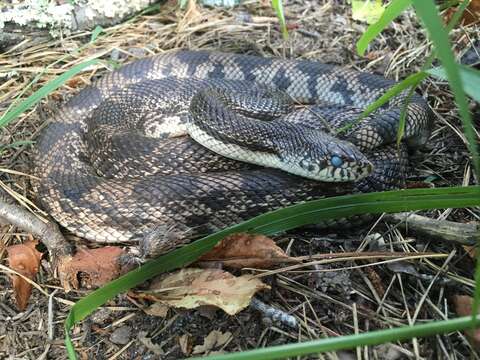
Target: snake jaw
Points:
(351, 171)
(348, 171)
(324, 158)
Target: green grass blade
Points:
(12, 108)
(410, 81)
(470, 79)
(278, 6)
(277, 221)
(457, 14)
(15, 144)
(44, 91)
(428, 13)
(395, 8)
(352, 341)
(403, 115)
(413, 82)
(95, 33)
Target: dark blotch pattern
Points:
(175, 189)
(342, 88)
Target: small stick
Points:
(50, 328)
(466, 234)
(48, 233)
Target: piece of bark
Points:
(445, 230)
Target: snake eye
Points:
(336, 161)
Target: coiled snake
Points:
(114, 163)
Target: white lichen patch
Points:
(68, 16)
(117, 8)
(8, 75)
(43, 13)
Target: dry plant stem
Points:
(48, 233)
(466, 234)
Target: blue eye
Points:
(336, 161)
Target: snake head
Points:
(324, 158)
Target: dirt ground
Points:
(330, 299)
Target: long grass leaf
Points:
(95, 33)
(470, 79)
(44, 91)
(277, 221)
(428, 13)
(93, 37)
(457, 15)
(395, 8)
(351, 341)
(403, 114)
(278, 6)
(414, 82)
(410, 81)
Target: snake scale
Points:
(114, 164)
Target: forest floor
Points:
(337, 297)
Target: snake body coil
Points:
(114, 164)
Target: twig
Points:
(466, 234)
(48, 233)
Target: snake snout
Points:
(339, 161)
(346, 163)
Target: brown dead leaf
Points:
(471, 251)
(149, 344)
(75, 82)
(157, 309)
(91, 267)
(207, 311)
(192, 287)
(376, 280)
(247, 250)
(373, 55)
(463, 307)
(214, 340)
(186, 344)
(24, 259)
(470, 16)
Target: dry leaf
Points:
(368, 11)
(75, 82)
(247, 250)
(470, 15)
(149, 344)
(24, 259)
(186, 344)
(463, 307)
(191, 287)
(157, 309)
(215, 339)
(207, 311)
(94, 267)
(471, 251)
(376, 280)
